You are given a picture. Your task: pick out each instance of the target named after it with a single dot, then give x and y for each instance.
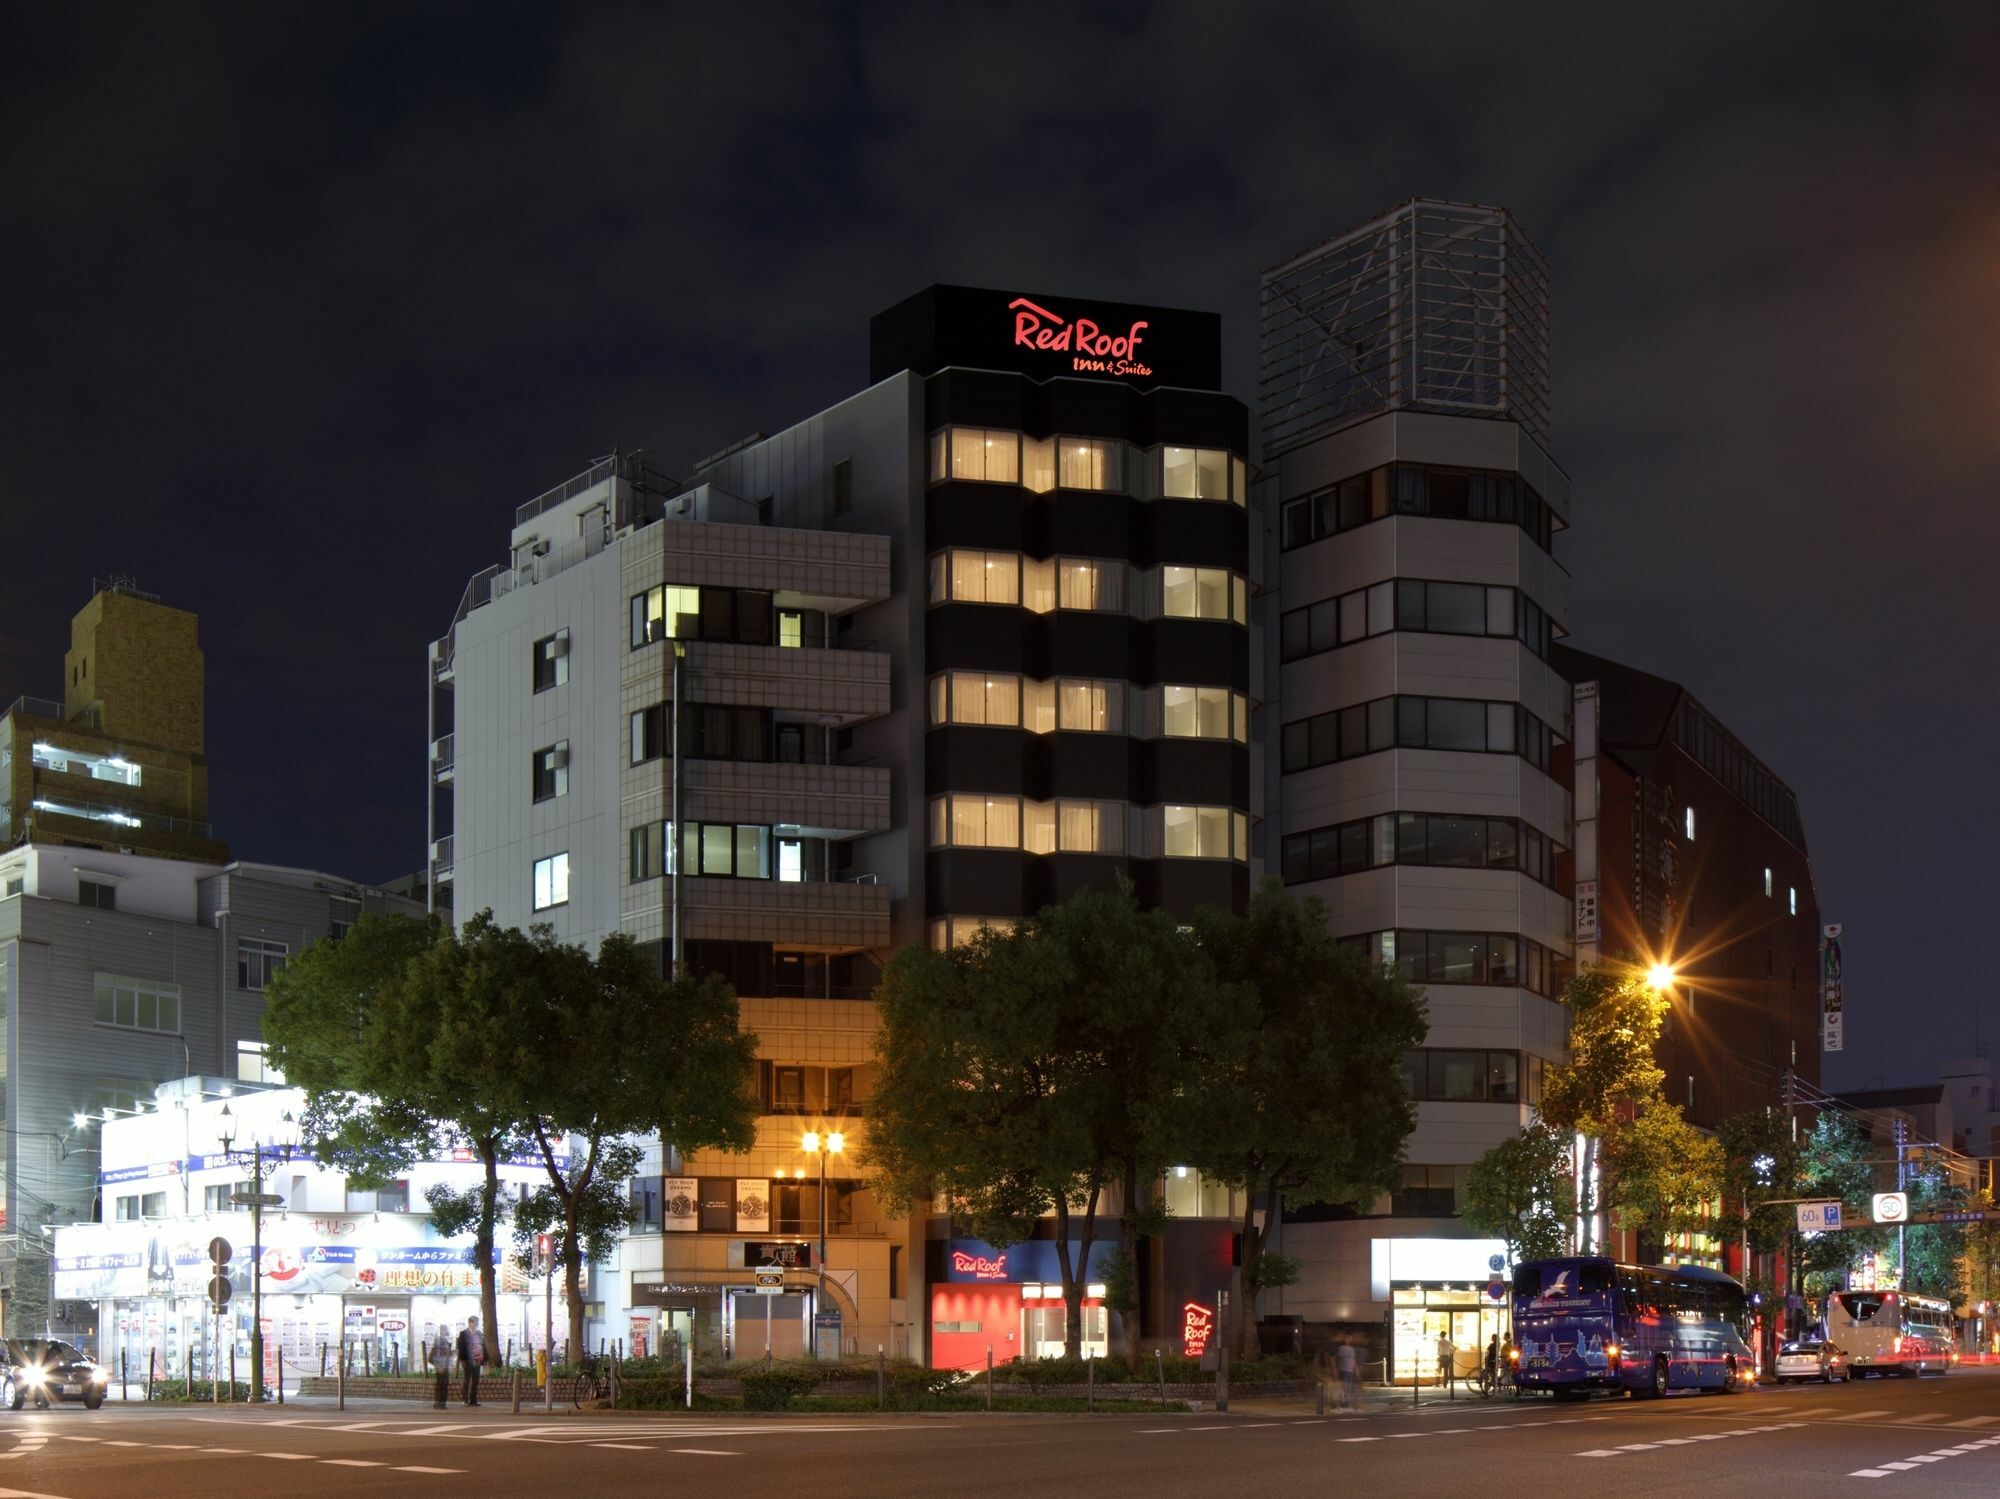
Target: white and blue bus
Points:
(1590, 1323)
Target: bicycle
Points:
(591, 1383)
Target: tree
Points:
(1523, 1191)
(1982, 1259)
(590, 1051)
(1306, 1100)
(356, 1023)
(1934, 1253)
(1660, 1172)
(1027, 1073)
(1834, 1162)
(1614, 1024)
(1761, 1161)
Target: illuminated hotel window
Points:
(1038, 464)
(976, 453)
(1090, 707)
(976, 820)
(1090, 585)
(969, 577)
(1767, 883)
(1203, 593)
(1203, 713)
(1205, 833)
(1202, 474)
(947, 932)
(1091, 463)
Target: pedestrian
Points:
(1493, 1361)
(440, 1358)
(1348, 1363)
(471, 1354)
(1444, 1351)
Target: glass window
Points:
(1089, 706)
(1457, 842)
(982, 698)
(1195, 712)
(1038, 707)
(551, 660)
(551, 886)
(1038, 827)
(1456, 608)
(991, 457)
(1194, 473)
(1455, 724)
(1457, 957)
(791, 629)
(1038, 464)
(145, 1004)
(649, 733)
(551, 771)
(1197, 832)
(1499, 611)
(1457, 1076)
(1088, 585)
(646, 844)
(1038, 584)
(1091, 463)
(258, 962)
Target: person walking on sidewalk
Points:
(1347, 1363)
(471, 1354)
(440, 1357)
(1444, 1352)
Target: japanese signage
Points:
(1046, 336)
(1197, 1327)
(787, 1254)
(1029, 1262)
(1830, 1009)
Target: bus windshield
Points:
(1860, 1306)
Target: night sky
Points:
(303, 300)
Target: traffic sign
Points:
(219, 1250)
(1891, 1207)
(218, 1291)
(1496, 1263)
(1818, 1217)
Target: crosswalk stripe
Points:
(1921, 1418)
(1865, 1415)
(1978, 1421)
(1814, 1410)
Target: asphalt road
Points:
(1894, 1439)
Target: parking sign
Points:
(1818, 1217)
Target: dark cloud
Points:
(304, 299)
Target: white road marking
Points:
(702, 1452)
(349, 1462)
(1978, 1421)
(429, 1470)
(288, 1457)
(25, 1494)
(1919, 1419)
(1864, 1415)
(623, 1446)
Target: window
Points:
(843, 486)
(392, 1198)
(551, 661)
(1082, 584)
(551, 882)
(1038, 464)
(1449, 494)
(649, 733)
(713, 850)
(1689, 822)
(153, 1205)
(1201, 474)
(668, 612)
(1428, 1192)
(1439, 1076)
(1090, 707)
(1091, 463)
(1204, 833)
(218, 1199)
(1416, 723)
(1499, 958)
(982, 698)
(97, 894)
(1767, 884)
(1793, 893)
(1431, 838)
(791, 629)
(551, 771)
(971, 577)
(947, 932)
(646, 1204)
(1203, 713)
(973, 820)
(1202, 593)
(139, 1004)
(648, 848)
(258, 962)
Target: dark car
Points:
(46, 1370)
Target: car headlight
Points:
(35, 1374)
(100, 1376)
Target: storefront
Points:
(384, 1281)
(1009, 1302)
(1455, 1289)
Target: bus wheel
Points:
(1658, 1386)
(1730, 1384)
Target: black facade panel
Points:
(969, 757)
(980, 637)
(1199, 772)
(1083, 524)
(984, 882)
(1077, 408)
(1076, 643)
(1194, 533)
(1180, 885)
(1045, 335)
(991, 517)
(1097, 767)
(1196, 652)
(1069, 873)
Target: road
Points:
(1935, 1438)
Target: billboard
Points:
(1831, 1015)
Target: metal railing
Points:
(91, 810)
(441, 853)
(441, 755)
(596, 474)
(37, 707)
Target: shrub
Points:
(775, 1388)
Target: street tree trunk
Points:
(483, 1237)
(1075, 1270)
(1242, 1315)
(1128, 1237)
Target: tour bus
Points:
(1590, 1323)
(1889, 1332)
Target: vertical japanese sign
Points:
(1830, 1011)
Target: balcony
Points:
(839, 687)
(814, 915)
(828, 800)
(441, 860)
(441, 759)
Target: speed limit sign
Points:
(1892, 1207)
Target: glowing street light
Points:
(1660, 978)
(832, 1143)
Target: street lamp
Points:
(822, 1146)
(1660, 978)
(284, 1139)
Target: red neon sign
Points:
(1092, 350)
(1197, 1327)
(979, 1266)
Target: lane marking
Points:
(1864, 1415)
(702, 1452)
(1978, 1421)
(349, 1462)
(1159, 1431)
(622, 1446)
(428, 1470)
(1919, 1419)
(288, 1457)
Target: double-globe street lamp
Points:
(822, 1146)
(279, 1147)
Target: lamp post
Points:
(283, 1140)
(822, 1146)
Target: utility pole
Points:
(1902, 1260)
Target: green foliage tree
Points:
(1834, 1162)
(588, 1052)
(1304, 1099)
(1982, 1258)
(1025, 1074)
(1660, 1171)
(1761, 1161)
(1935, 1253)
(1523, 1191)
(1614, 1026)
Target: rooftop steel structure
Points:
(1433, 306)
